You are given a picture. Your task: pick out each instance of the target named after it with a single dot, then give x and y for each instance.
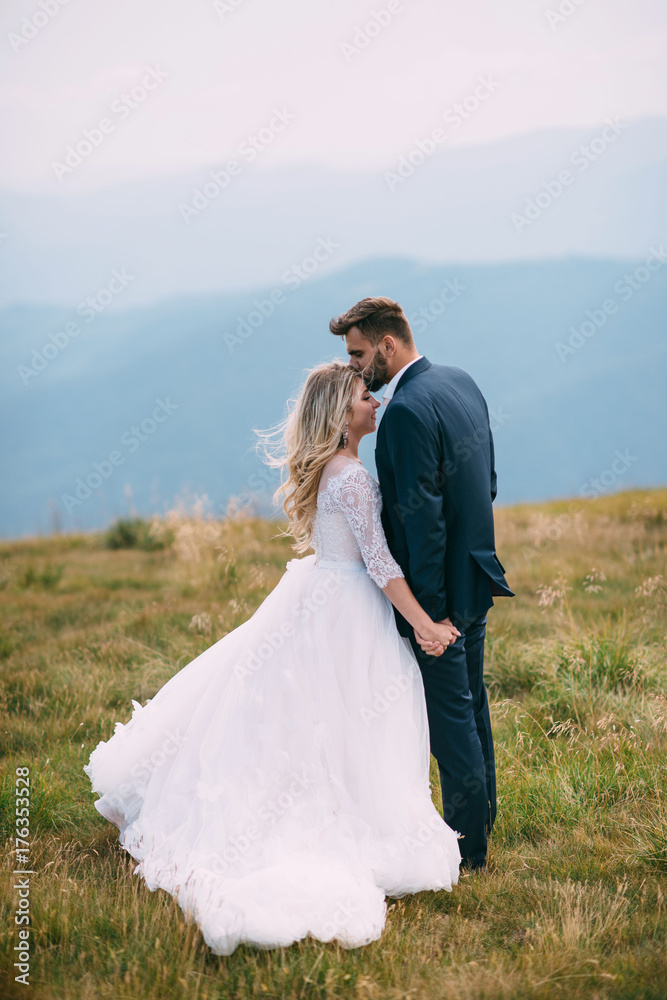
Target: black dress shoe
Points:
(471, 866)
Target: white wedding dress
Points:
(278, 785)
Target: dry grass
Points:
(574, 905)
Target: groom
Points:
(435, 464)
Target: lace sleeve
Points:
(361, 505)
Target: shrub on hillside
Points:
(132, 533)
(47, 578)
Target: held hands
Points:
(437, 637)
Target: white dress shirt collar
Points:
(391, 388)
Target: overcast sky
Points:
(220, 73)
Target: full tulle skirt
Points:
(278, 785)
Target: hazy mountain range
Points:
(458, 203)
(165, 396)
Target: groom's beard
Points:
(376, 374)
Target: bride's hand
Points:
(432, 648)
(437, 637)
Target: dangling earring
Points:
(347, 424)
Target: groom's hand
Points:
(447, 621)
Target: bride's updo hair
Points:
(303, 443)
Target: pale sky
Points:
(226, 71)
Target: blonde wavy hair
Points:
(303, 443)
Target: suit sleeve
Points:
(492, 455)
(494, 478)
(415, 454)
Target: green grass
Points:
(574, 905)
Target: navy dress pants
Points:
(460, 735)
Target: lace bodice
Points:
(347, 524)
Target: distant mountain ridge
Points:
(459, 204)
(163, 398)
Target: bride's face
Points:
(362, 419)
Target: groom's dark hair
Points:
(375, 318)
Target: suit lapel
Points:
(416, 369)
(419, 366)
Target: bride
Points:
(278, 785)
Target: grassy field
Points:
(574, 905)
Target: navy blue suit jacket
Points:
(436, 468)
